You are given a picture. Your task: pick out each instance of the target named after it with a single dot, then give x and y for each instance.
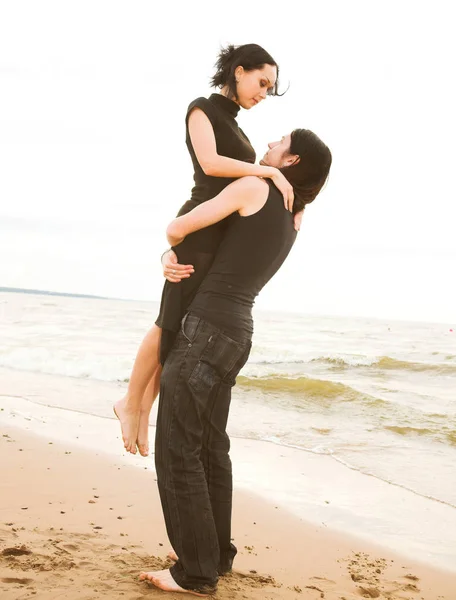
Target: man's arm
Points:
(241, 195)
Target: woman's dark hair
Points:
(309, 175)
(249, 56)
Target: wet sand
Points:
(79, 525)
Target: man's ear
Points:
(291, 160)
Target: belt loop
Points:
(183, 329)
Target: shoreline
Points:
(314, 487)
(92, 523)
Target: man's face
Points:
(277, 154)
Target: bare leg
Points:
(128, 409)
(146, 406)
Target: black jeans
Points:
(192, 450)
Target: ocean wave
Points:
(387, 363)
(336, 362)
(407, 430)
(298, 385)
(84, 366)
(441, 434)
(451, 437)
(307, 387)
(272, 361)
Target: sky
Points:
(93, 162)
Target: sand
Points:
(79, 525)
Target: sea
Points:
(377, 396)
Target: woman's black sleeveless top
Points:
(199, 248)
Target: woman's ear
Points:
(238, 72)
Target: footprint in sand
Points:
(369, 573)
(71, 547)
(16, 551)
(19, 580)
(237, 581)
(410, 587)
(369, 592)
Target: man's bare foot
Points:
(143, 433)
(129, 423)
(173, 556)
(164, 580)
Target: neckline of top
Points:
(225, 104)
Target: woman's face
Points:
(253, 86)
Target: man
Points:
(192, 447)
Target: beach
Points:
(82, 525)
(342, 422)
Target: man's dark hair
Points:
(249, 56)
(309, 175)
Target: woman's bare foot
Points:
(129, 423)
(164, 580)
(143, 433)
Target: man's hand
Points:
(172, 270)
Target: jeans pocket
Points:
(222, 354)
(203, 377)
(189, 327)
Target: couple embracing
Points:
(228, 241)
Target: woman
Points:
(220, 152)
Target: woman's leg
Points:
(128, 409)
(146, 406)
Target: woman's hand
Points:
(172, 270)
(298, 219)
(285, 187)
